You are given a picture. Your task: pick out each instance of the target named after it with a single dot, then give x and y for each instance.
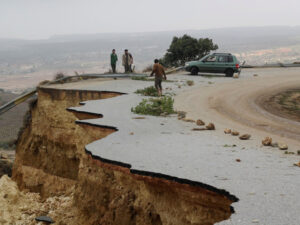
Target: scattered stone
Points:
(200, 123)
(210, 126)
(255, 221)
(297, 164)
(164, 114)
(283, 146)
(255, 75)
(235, 133)
(275, 145)
(227, 131)
(199, 129)
(181, 115)
(238, 160)
(236, 75)
(267, 141)
(188, 120)
(45, 219)
(131, 133)
(179, 86)
(139, 118)
(298, 152)
(245, 137)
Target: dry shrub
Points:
(59, 76)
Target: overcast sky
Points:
(35, 19)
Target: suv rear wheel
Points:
(229, 72)
(194, 71)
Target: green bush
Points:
(187, 48)
(148, 91)
(155, 107)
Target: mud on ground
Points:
(285, 104)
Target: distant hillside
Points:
(91, 52)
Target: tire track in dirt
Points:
(238, 104)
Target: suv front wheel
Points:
(194, 71)
(229, 73)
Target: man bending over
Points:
(160, 74)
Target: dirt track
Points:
(238, 104)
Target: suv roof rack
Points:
(221, 53)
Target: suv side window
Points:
(229, 58)
(211, 58)
(222, 58)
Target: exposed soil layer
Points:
(285, 104)
(51, 160)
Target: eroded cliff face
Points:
(51, 160)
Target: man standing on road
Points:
(127, 61)
(160, 74)
(113, 60)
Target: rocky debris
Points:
(44, 219)
(245, 137)
(235, 133)
(238, 160)
(210, 126)
(188, 120)
(164, 114)
(267, 141)
(139, 118)
(200, 123)
(181, 115)
(199, 129)
(236, 75)
(131, 133)
(297, 164)
(226, 146)
(298, 152)
(274, 145)
(283, 146)
(255, 75)
(19, 207)
(227, 131)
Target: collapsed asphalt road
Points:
(264, 178)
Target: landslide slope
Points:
(51, 160)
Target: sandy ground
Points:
(239, 104)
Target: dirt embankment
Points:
(51, 160)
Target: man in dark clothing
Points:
(160, 74)
(113, 60)
(127, 61)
